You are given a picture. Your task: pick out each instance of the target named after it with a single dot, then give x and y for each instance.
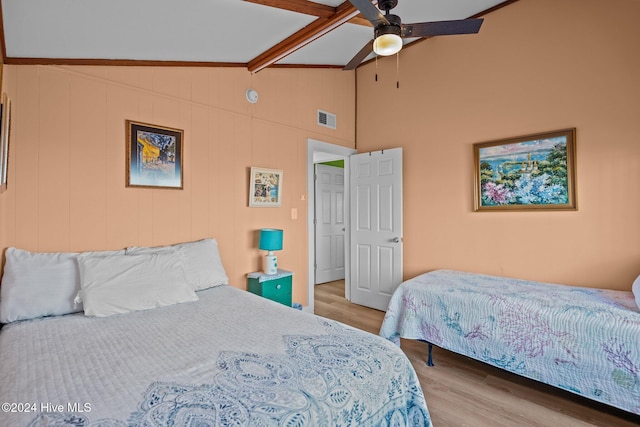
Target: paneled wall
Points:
(535, 66)
(67, 166)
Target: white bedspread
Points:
(229, 359)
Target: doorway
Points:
(319, 152)
(330, 221)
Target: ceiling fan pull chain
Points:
(398, 70)
(376, 67)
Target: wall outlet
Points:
(294, 213)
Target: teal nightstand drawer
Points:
(276, 287)
(278, 290)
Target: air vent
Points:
(327, 120)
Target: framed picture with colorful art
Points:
(154, 156)
(266, 187)
(526, 173)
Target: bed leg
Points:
(430, 356)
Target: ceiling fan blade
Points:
(356, 60)
(369, 11)
(441, 28)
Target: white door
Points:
(330, 223)
(376, 226)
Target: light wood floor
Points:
(463, 392)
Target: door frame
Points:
(319, 151)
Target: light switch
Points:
(294, 213)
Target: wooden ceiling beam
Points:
(321, 26)
(309, 8)
(301, 6)
(360, 20)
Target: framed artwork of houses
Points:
(265, 188)
(154, 156)
(526, 172)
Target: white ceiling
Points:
(215, 31)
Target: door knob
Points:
(396, 240)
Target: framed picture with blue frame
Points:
(531, 172)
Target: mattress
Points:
(229, 359)
(583, 340)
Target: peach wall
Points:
(67, 166)
(535, 66)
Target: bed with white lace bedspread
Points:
(583, 340)
(229, 359)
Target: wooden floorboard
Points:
(464, 392)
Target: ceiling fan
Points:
(389, 29)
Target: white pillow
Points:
(202, 262)
(636, 290)
(40, 284)
(122, 283)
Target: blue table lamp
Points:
(270, 240)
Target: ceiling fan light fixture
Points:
(387, 44)
(387, 36)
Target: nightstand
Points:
(276, 287)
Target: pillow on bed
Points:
(123, 283)
(202, 262)
(40, 284)
(636, 290)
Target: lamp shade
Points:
(270, 239)
(387, 44)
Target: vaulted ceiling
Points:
(246, 33)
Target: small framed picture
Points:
(266, 188)
(526, 172)
(154, 156)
